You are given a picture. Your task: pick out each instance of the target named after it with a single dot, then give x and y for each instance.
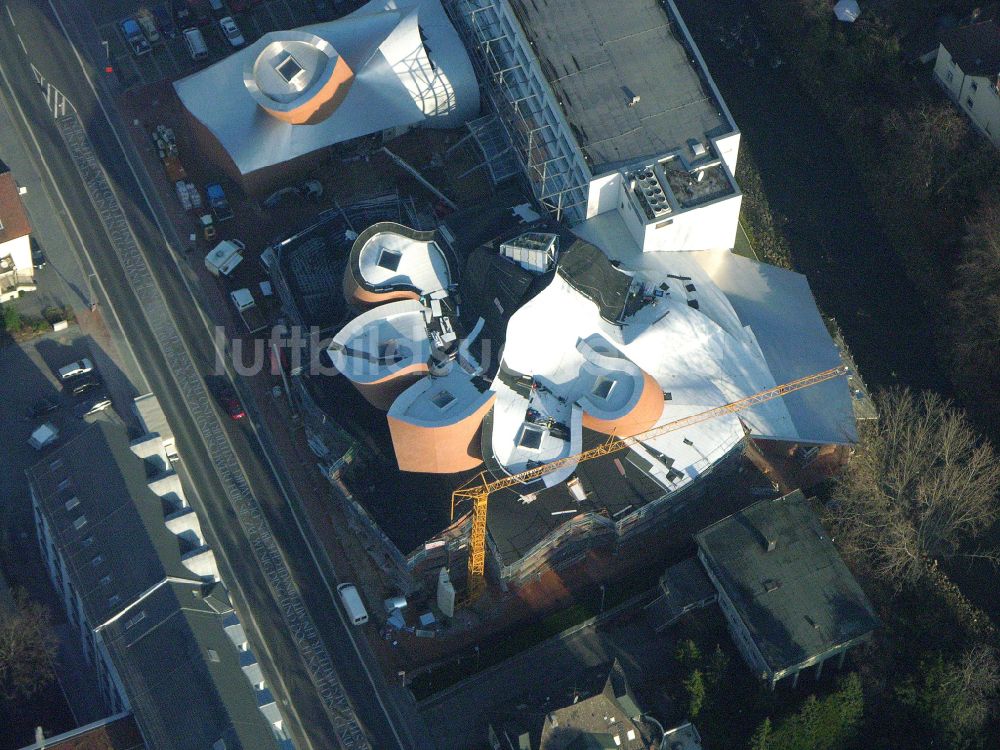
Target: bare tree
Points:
(920, 486)
(27, 648)
(975, 307)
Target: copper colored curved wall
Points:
(321, 104)
(382, 393)
(439, 450)
(359, 297)
(642, 417)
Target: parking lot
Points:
(169, 58)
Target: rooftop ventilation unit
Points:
(649, 190)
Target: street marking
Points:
(10, 16)
(23, 48)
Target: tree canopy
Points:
(920, 487)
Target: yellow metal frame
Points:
(478, 490)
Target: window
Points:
(213, 655)
(135, 619)
(106, 580)
(55, 464)
(974, 86)
(72, 503)
(949, 76)
(969, 102)
(80, 523)
(113, 600)
(97, 561)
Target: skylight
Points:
(603, 387)
(531, 437)
(288, 68)
(442, 399)
(389, 259)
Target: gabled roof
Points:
(975, 48)
(13, 218)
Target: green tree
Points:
(716, 667)
(688, 655)
(694, 686)
(829, 723)
(953, 699)
(761, 738)
(10, 319)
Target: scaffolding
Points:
(542, 143)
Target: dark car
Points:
(227, 399)
(42, 407)
(85, 386)
(38, 259)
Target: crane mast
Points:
(479, 489)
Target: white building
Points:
(968, 69)
(17, 273)
(610, 110)
(385, 68)
(127, 555)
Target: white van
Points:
(352, 603)
(80, 367)
(195, 43)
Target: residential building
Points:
(273, 107)
(127, 555)
(598, 712)
(17, 272)
(118, 732)
(610, 115)
(787, 596)
(967, 67)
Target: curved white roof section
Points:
(381, 342)
(395, 84)
(389, 259)
(701, 356)
(290, 68)
(439, 400)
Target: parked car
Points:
(134, 37)
(231, 31)
(165, 20)
(38, 259)
(227, 399)
(147, 23)
(73, 369)
(86, 386)
(92, 405)
(216, 5)
(42, 407)
(195, 42)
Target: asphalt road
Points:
(29, 25)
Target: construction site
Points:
(534, 340)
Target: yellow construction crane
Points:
(479, 489)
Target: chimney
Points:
(39, 737)
(553, 720)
